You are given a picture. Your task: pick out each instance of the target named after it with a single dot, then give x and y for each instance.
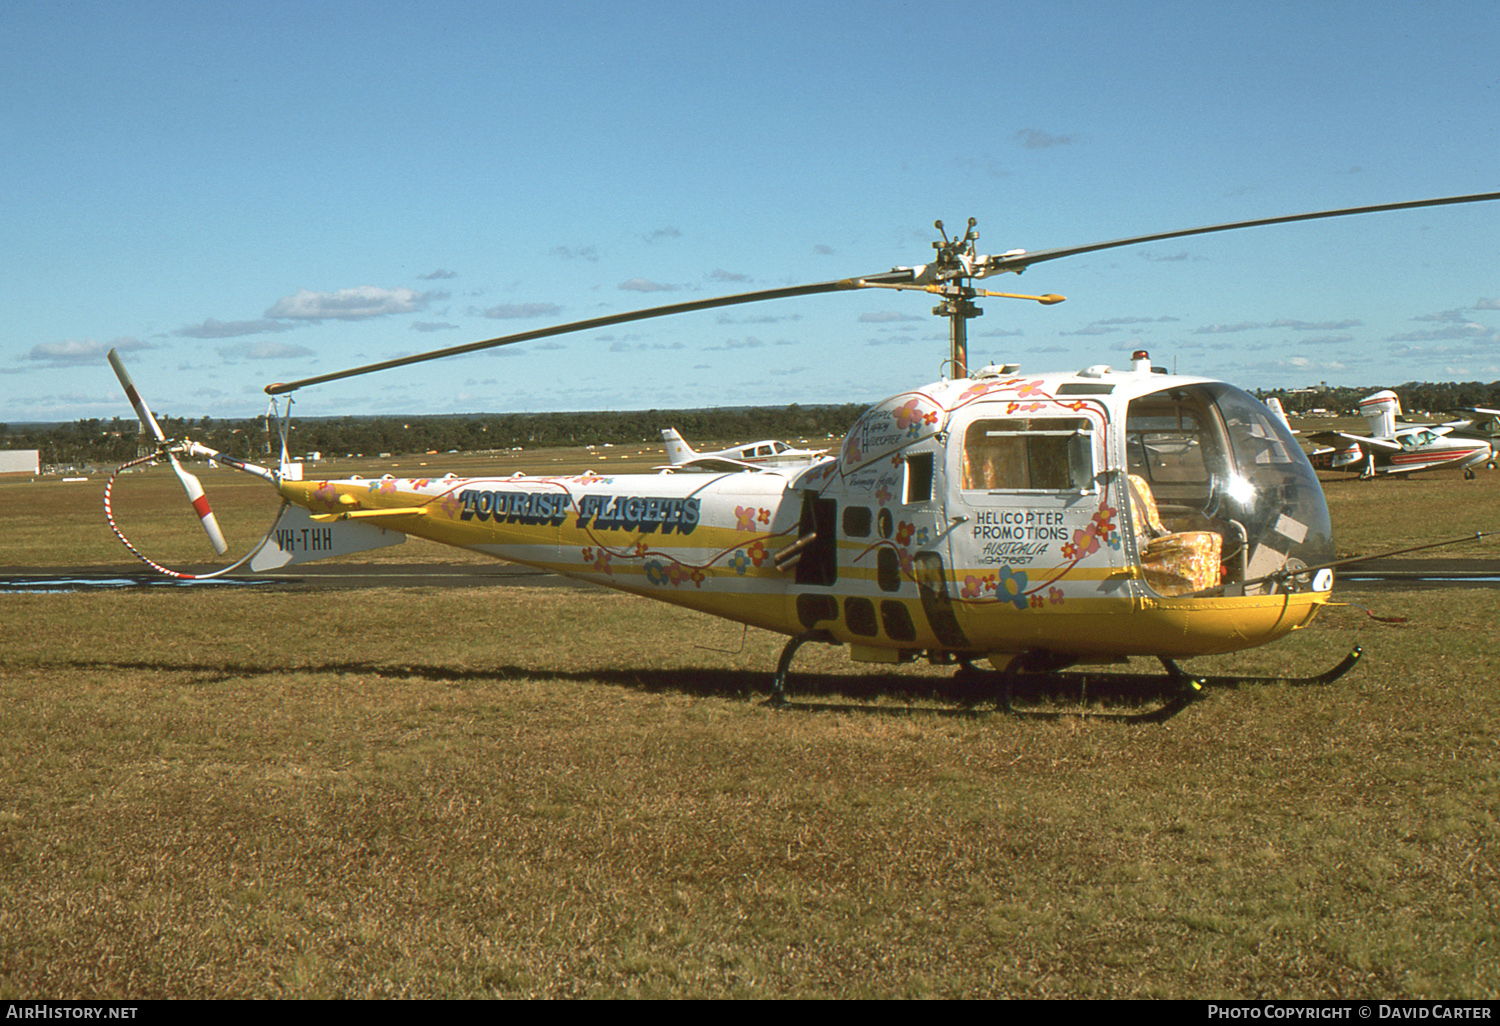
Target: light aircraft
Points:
(1036, 520)
(766, 453)
(1393, 447)
(1482, 424)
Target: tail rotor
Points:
(190, 483)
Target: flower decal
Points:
(1101, 527)
(909, 415)
(975, 391)
(739, 562)
(757, 553)
(1055, 596)
(1011, 587)
(744, 518)
(904, 533)
(1085, 542)
(656, 572)
(975, 587)
(853, 451)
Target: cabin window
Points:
(815, 609)
(859, 614)
(897, 620)
(919, 477)
(1168, 441)
(1035, 454)
(819, 519)
(857, 521)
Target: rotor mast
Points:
(957, 304)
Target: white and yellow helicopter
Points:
(1032, 520)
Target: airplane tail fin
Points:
(1380, 412)
(1275, 406)
(678, 451)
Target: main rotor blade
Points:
(1021, 261)
(990, 265)
(281, 388)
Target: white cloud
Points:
(264, 351)
(519, 311)
(1036, 139)
(71, 352)
(231, 329)
(347, 304)
(644, 285)
(719, 274)
(888, 317)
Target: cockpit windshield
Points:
(1221, 492)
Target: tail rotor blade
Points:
(141, 409)
(194, 489)
(190, 483)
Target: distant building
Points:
(20, 461)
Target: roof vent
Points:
(1098, 370)
(995, 370)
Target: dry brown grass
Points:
(217, 793)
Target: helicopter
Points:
(1393, 447)
(1030, 521)
(767, 452)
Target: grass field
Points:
(214, 792)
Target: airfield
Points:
(424, 774)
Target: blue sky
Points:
(240, 193)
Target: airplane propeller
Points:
(956, 264)
(190, 483)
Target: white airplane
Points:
(1483, 424)
(766, 453)
(1393, 447)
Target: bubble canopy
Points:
(1216, 458)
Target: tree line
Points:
(97, 442)
(1417, 397)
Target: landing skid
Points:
(1038, 674)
